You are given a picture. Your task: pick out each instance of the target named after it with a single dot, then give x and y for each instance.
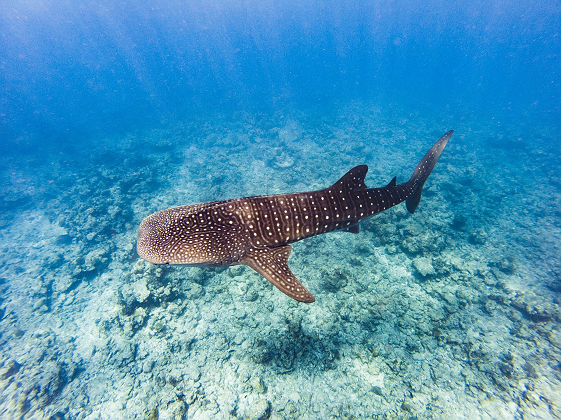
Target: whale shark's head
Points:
(192, 234)
(157, 241)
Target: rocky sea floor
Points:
(452, 312)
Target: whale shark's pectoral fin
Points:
(272, 263)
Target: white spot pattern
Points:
(252, 231)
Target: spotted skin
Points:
(257, 231)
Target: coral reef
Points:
(450, 312)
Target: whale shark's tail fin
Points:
(423, 170)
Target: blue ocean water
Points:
(112, 111)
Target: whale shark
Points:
(257, 231)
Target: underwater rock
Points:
(416, 241)
(459, 222)
(114, 211)
(147, 366)
(36, 285)
(143, 268)
(158, 327)
(176, 309)
(334, 278)
(145, 288)
(121, 352)
(408, 406)
(65, 283)
(152, 414)
(478, 236)
(194, 292)
(365, 249)
(377, 390)
(284, 161)
(554, 283)
(174, 377)
(176, 410)
(506, 365)
(424, 267)
(49, 382)
(161, 294)
(256, 410)
(260, 352)
(534, 307)
(356, 261)
(450, 299)
(507, 265)
(259, 385)
(441, 266)
(200, 276)
(41, 305)
(129, 250)
(133, 294)
(385, 232)
(251, 294)
(9, 368)
(137, 319)
(95, 259)
(53, 260)
(235, 270)
(210, 406)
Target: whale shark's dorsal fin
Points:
(392, 183)
(272, 263)
(352, 180)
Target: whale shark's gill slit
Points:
(256, 231)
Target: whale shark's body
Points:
(257, 231)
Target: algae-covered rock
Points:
(9, 368)
(176, 410)
(459, 222)
(121, 352)
(478, 236)
(334, 278)
(64, 283)
(259, 385)
(284, 161)
(138, 318)
(49, 382)
(195, 291)
(147, 365)
(257, 410)
(424, 267)
(236, 270)
(251, 294)
(152, 414)
(134, 294)
(507, 265)
(95, 259)
(417, 240)
(535, 307)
